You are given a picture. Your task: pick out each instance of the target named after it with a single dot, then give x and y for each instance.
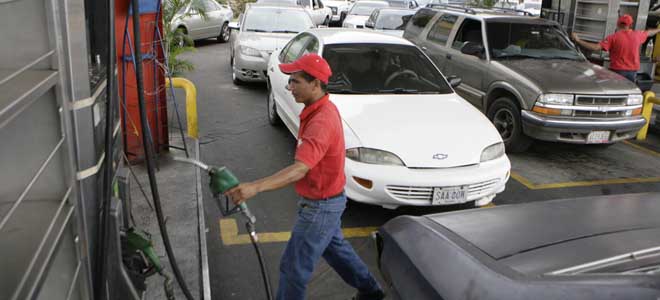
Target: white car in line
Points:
(338, 7)
(410, 139)
(360, 12)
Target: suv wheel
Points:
(273, 117)
(505, 115)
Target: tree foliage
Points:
(176, 41)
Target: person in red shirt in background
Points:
(318, 172)
(623, 46)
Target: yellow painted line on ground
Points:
(489, 205)
(641, 148)
(229, 234)
(532, 186)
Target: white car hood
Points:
(397, 33)
(418, 128)
(265, 41)
(356, 20)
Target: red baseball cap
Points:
(312, 64)
(625, 20)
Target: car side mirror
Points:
(369, 24)
(474, 49)
(454, 81)
(233, 25)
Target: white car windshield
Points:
(382, 69)
(365, 9)
(520, 41)
(393, 20)
(277, 20)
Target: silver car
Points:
(215, 25)
(263, 29)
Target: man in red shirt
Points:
(623, 46)
(318, 172)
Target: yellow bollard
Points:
(647, 109)
(191, 103)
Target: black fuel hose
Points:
(262, 264)
(102, 258)
(148, 149)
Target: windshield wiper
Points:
(256, 30)
(345, 91)
(284, 31)
(559, 57)
(399, 91)
(515, 56)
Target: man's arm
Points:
(652, 32)
(585, 44)
(282, 178)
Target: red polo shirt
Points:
(321, 148)
(623, 47)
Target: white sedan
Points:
(410, 139)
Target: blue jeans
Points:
(316, 233)
(630, 75)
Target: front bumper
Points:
(576, 130)
(485, 180)
(250, 68)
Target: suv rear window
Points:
(440, 31)
(419, 21)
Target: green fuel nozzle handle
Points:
(223, 180)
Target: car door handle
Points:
(448, 56)
(271, 69)
(424, 48)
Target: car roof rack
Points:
(473, 9)
(452, 7)
(512, 10)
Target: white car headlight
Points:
(557, 99)
(635, 99)
(492, 152)
(249, 51)
(373, 156)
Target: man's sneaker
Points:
(377, 295)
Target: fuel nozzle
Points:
(221, 180)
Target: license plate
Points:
(449, 195)
(598, 137)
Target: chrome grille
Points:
(599, 114)
(601, 100)
(425, 193)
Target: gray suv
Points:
(527, 76)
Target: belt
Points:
(324, 199)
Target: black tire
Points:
(505, 115)
(182, 40)
(273, 116)
(225, 33)
(234, 78)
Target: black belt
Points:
(324, 199)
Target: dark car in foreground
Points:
(604, 247)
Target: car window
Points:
(520, 41)
(393, 20)
(440, 31)
(279, 20)
(365, 9)
(319, 3)
(294, 48)
(305, 3)
(311, 47)
(210, 5)
(382, 69)
(419, 22)
(373, 17)
(470, 31)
